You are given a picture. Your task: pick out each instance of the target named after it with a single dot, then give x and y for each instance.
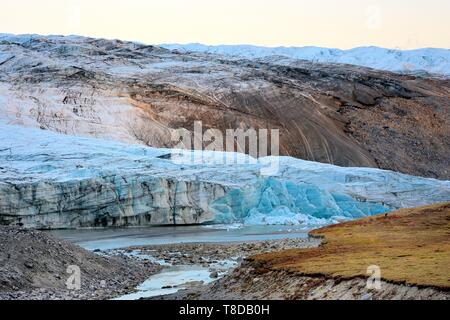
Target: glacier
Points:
(430, 60)
(55, 181)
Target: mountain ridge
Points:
(431, 60)
(435, 61)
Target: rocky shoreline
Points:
(218, 260)
(34, 267)
(203, 254)
(250, 282)
(247, 280)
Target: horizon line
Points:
(218, 45)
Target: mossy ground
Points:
(411, 246)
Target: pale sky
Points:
(403, 24)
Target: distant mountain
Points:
(431, 60)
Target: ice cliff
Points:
(51, 181)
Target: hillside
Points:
(339, 114)
(34, 265)
(410, 246)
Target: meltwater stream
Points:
(172, 279)
(169, 281)
(176, 277)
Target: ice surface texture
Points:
(48, 180)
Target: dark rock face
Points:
(35, 265)
(340, 114)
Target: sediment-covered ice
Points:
(49, 180)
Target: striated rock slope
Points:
(339, 114)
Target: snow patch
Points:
(431, 60)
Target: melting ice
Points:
(133, 181)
